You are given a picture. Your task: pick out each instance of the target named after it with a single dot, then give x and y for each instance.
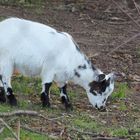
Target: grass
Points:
(22, 2)
(121, 91)
(84, 123)
(26, 85)
(79, 119)
(24, 135)
(121, 132)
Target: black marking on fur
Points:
(104, 101)
(47, 87)
(96, 106)
(77, 47)
(45, 99)
(82, 66)
(0, 77)
(11, 97)
(88, 61)
(99, 87)
(2, 95)
(45, 95)
(76, 74)
(9, 90)
(93, 92)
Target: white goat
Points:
(35, 49)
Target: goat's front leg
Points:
(64, 97)
(45, 95)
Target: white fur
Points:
(35, 49)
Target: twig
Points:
(107, 138)
(136, 5)
(93, 134)
(18, 129)
(38, 132)
(9, 128)
(19, 112)
(125, 42)
(126, 13)
(1, 130)
(56, 118)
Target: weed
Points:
(122, 106)
(5, 108)
(26, 85)
(84, 122)
(122, 88)
(26, 135)
(120, 132)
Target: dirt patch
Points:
(98, 27)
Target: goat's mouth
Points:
(102, 109)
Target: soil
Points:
(98, 27)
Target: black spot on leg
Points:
(11, 97)
(45, 99)
(65, 99)
(9, 90)
(96, 106)
(2, 95)
(45, 95)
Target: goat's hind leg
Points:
(2, 92)
(6, 70)
(8, 90)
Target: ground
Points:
(99, 27)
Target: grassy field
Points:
(83, 122)
(120, 121)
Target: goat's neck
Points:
(84, 74)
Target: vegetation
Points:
(79, 123)
(121, 120)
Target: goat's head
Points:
(100, 89)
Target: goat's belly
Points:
(28, 70)
(28, 63)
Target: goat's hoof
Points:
(12, 100)
(2, 95)
(68, 106)
(46, 104)
(45, 100)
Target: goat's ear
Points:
(101, 77)
(114, 75)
